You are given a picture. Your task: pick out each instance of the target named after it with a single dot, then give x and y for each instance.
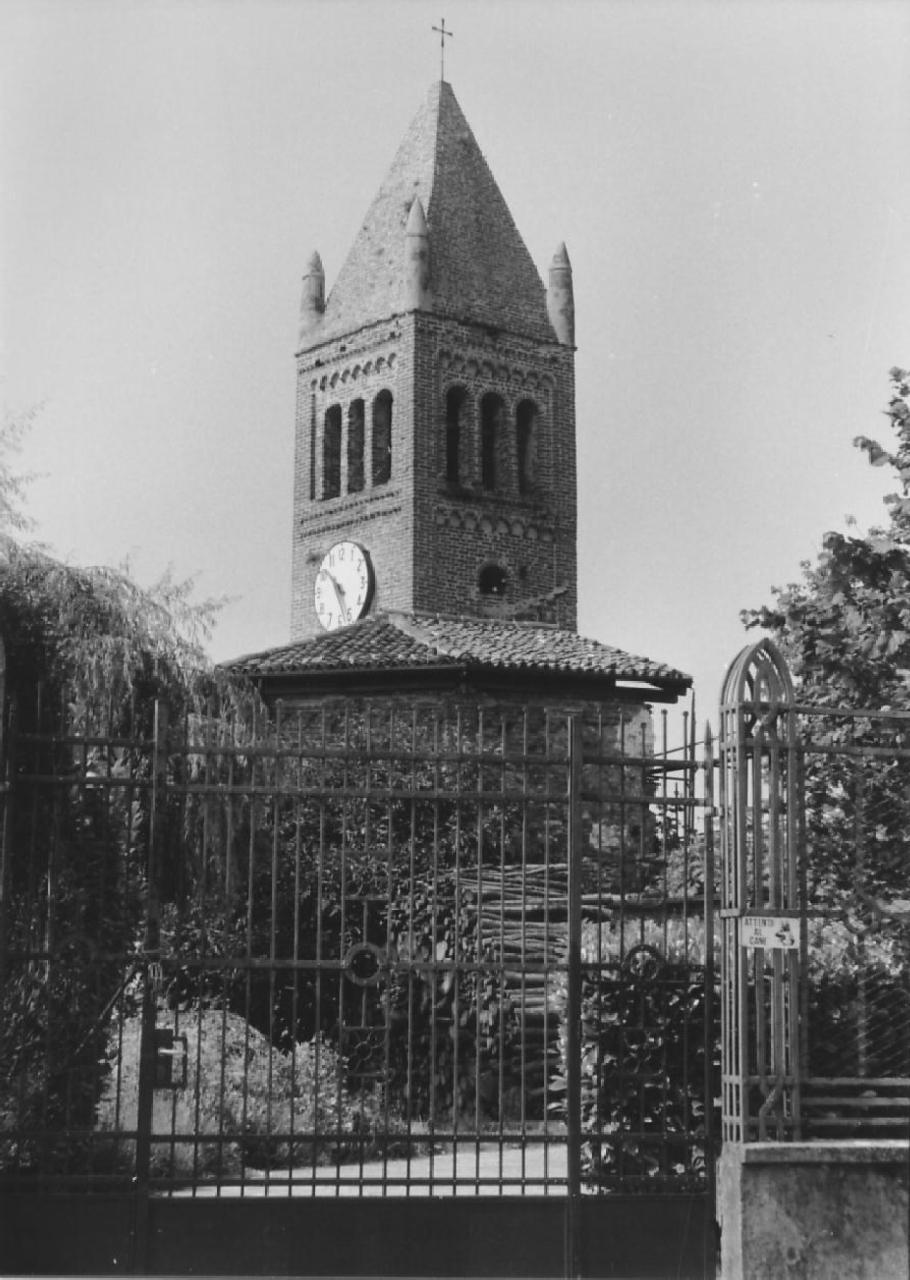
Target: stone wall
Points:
(814, 1211)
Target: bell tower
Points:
(435, 435)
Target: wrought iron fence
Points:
(856, 877)
(357, 949)
(815, 813)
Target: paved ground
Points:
(511, 1170)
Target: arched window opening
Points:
(455, 400)
(313, 454)
(491, 412)
(525, 444)
(382, 437)
(492, 580)
(355, 447)
(331, 452)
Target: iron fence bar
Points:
(456, 939)
(524, 921)
(534, 973)
(190, 750)
(775, 893)
(410, 1074)
(802, 901)
(546, 942)
(320, 938)
(7, 753)
(856, 713)
(49, 738)
(151, 948)
(794, 1064)
(710, 1028)
(574, 1000)
(227, 896)
(863, 752)
(741, 819)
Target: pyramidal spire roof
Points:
(480, 269)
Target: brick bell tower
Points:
(435, 437)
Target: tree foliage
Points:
(14, 483)
(92, 634)
(97, 638)
(88, 652)
(845, 628)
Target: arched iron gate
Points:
(814, 809)
(360, 989)
(759, 893)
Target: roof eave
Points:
(532, 681)
(322, 341)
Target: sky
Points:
(731, 179)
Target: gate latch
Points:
(170, 1059)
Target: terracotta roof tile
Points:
(398, 640)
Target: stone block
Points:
(814, 1211)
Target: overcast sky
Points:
(732, 181)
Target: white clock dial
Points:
(344, 585)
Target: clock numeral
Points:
(342, 585)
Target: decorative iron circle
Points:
(363, 964)
(643, 962)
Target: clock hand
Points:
(339, 595)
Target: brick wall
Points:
(429, 540)
(484, 721)
(459, 529)
(359, 366)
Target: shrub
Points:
(244, 1102)
(858, 1001)
(643, 1054)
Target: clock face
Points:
(344, 585)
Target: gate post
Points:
(761, 911)
(762, 950)
(150, 981)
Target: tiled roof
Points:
(480, 268)
(398, 640)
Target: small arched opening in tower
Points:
(382, 438)
(331, 452)
(355, 447)
(491, 417)
(491, 581)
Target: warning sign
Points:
(774, 933)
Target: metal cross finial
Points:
(442, 46)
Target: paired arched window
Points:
(355, 446)
(502, 451)
(350, 444)
(492, 411)
(331, 452)
(455, 406)
(525, 444)
(382, 437)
